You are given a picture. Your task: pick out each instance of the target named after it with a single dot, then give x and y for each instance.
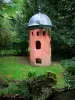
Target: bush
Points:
(39, 87)
(14, 88)
(15, 49)
(13, 52)
(71, 70)
(70, 80)
(69, 73)
(11, 89)
(8, 52)
(31, 74)
(68, 63)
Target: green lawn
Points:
(12, 68)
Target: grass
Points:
(12, 68)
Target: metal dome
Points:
(40, 19)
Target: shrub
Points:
(38, 87)
(8, 52)
(11, 52)
(68, 63)
(73, 59)
(69, 73)
(71, 70)
(31, 74)
(11, 89)
(69, 79)
(14, 88)
(41, 87)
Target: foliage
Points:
(15, 48)
(40, 87)
(7, 35)
(19, 26)
(5, 32)
(69, 79)
(31, 74)
(73, 99)
(68, 63)
(62, 15)
(69, 72)
(9, 52)
(18, 13)
(13, 89)
(63, 34)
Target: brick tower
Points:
(40, 40)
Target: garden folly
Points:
(40, 40)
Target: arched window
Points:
(38, 45)
(48, 34)
(38, 61)
(37, 33)
(43, 33)
(32, 34)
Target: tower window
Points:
(38, 61)
(32, 33)
(38, 45)
(43, 33)
(37, 33)
(48, 35)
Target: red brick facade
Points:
(40, 48)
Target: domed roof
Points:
(40, 19)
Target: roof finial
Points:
(39, 8)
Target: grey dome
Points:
(40, 19)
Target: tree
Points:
(8, 10)
(4, 28)
(62, 14)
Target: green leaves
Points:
(61, 12)
(69, 71)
